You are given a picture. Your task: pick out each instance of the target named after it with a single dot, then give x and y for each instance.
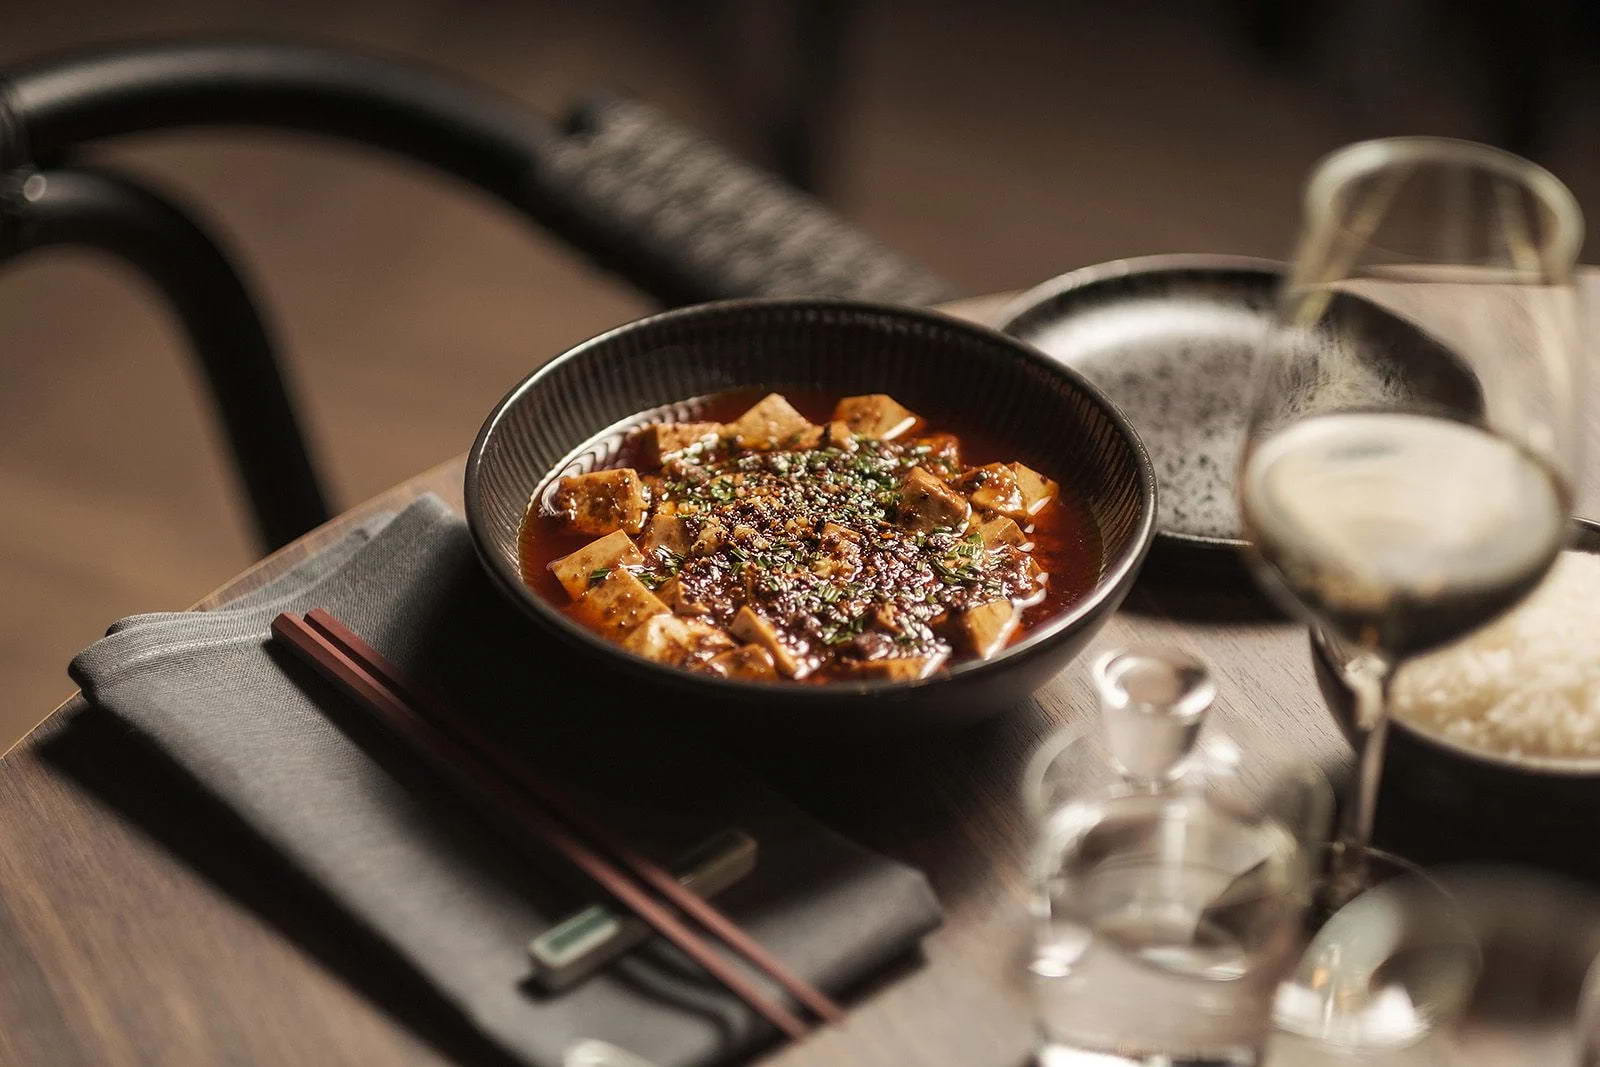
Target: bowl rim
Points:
(1118, 574)
(1034, 300)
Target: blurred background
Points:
(998, 144)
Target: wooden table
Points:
(115, 951)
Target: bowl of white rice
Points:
(1494, 749)
(1524, 689)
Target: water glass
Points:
(1587, 1025)
(1167, 904)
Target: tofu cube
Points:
(993, 487)
(810, 437)
(1040, 576)
(664, 440)
(578, 571)
(988, 627)
(772, 423)
(944, 452)
(617, 605)
(674, 641)
(840, 567)
(672, 595)
(926, 503)
(752, 628)
(875, 415)
(1036, 489)
(898, 669)
(711, 537)
(670, 532)
(998, 530)
(603, 501)
(832, 532)
(840, 555)
(839, 435)
(750, 663)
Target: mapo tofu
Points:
(791, 538)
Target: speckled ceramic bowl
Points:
(1172, 340)
(570, 415)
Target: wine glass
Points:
(1408, 469)
(1587, 1025)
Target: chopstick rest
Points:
(587, 940)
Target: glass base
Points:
(1289, 1050)
(1387, 966)
(1056, 1055)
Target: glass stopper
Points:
(1153, 701)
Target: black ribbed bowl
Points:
(570, 414)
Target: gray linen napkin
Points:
(434, 879)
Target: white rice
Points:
(1527, 685)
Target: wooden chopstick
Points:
(702, 910)
(473, 775)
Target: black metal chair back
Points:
(669, 212)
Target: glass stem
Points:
(1370, 679)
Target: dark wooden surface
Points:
(114, 950)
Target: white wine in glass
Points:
(1361, 518)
